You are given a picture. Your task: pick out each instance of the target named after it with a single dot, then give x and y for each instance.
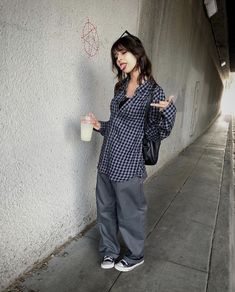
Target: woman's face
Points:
(125, 60)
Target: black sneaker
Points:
(124, 266)
(107, 262)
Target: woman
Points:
(121, 204)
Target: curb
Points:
(222, 263)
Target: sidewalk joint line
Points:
(164, 212)
(188, 267)
(114, 282)
(194, 221)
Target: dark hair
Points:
(132, 44)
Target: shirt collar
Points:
(146, 83)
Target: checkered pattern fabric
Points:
(121, 155)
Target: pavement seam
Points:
(194, 221)
(164, 212)
(188, 267)
(114, 282)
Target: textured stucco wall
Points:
(48, 81)
(47, 175)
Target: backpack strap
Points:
(147, 108)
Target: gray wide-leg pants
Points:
(121, 206)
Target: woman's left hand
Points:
(163, 103)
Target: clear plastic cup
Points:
(86, 128)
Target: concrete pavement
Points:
(189, 242)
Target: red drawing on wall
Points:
(90, 39)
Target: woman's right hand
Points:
(163, 104)
(96, 124)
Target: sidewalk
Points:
(188, 245)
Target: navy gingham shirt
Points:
(121, 155)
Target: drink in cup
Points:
(86, 128)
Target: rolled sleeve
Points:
(160, 123)
(167, 120)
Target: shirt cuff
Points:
(102, 128)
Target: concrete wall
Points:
(185, 63)
(55, 66)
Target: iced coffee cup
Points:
(86, 128)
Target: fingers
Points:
(162, 104)
(170, 98)
(155, 104)
(95, 122)
(91, 115)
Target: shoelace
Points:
(108, 259)
(124, 263)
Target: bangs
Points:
(124, 43)
(118, 48)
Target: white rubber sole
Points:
(107, 266)
(121, 268)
